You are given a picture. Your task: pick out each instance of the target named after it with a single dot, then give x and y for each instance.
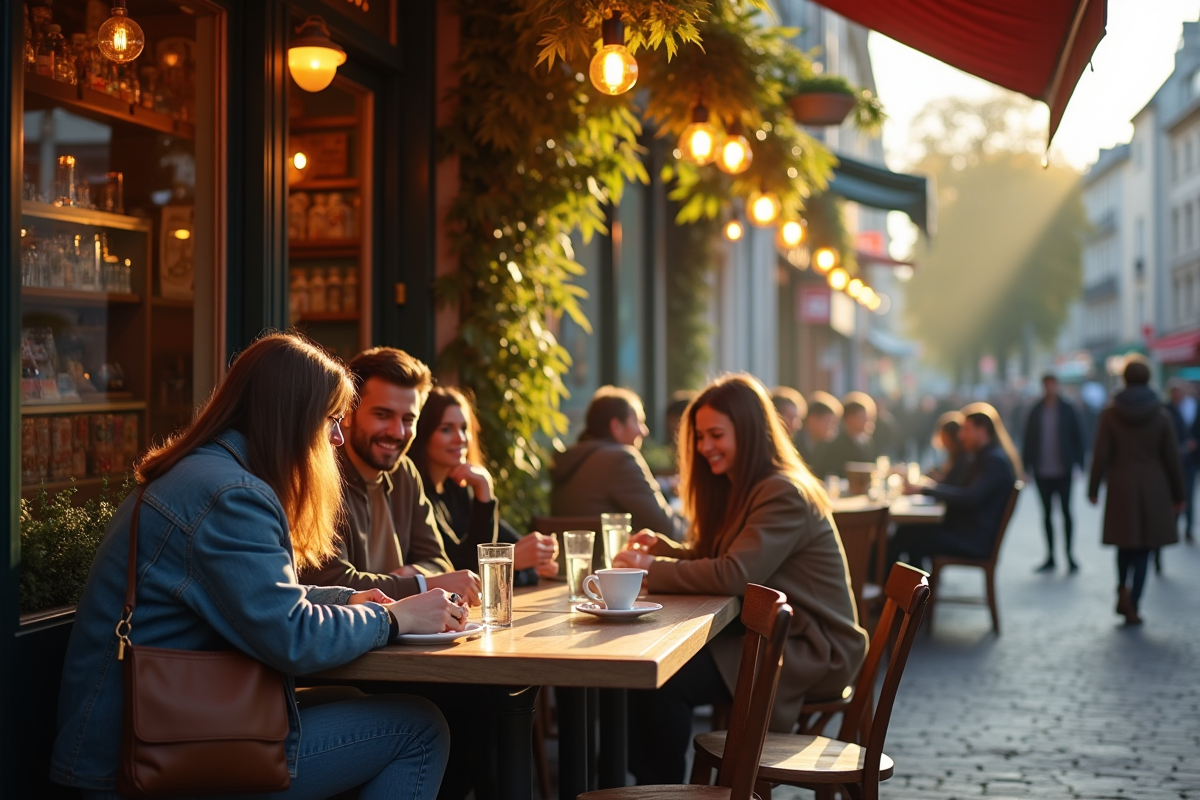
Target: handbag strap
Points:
(124, 626)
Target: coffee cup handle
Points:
(587, 588)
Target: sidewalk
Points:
(1066, 703)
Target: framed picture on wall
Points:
(177, 252)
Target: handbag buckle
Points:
(123, 629)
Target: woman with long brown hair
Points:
(758, 516)
(230, 508)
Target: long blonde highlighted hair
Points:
(1001, 434)
(764, 448)
(280, 393)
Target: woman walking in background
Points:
(1135, 452)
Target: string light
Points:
(854, 288)
(791, 234)
(699, 143)
(734, 230)
(735, 153)
(838, 279)
(313, 58)
(120, 39)
(764, 208)
(825, 259)
(613, 69)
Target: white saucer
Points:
(638, 610)
(471, 629)
(921, 500)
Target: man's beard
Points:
(361, 444)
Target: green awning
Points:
(879, 187)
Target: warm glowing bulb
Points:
(791, 234)
(764, 209)
(854, 288)
(120, 39)
(313, 57)
(838, 279)
(699, 143)
(733, 230)
(866, 296)
(825, 259)
(183, 233)
(613, 69)
(300, 160)
(736, 154)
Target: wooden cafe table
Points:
(904, 510)
(551, 644)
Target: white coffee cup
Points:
(616, 588)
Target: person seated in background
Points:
(855, 442)
(820, 427)
(759, 516)
(792, 409)
(387, 533)
(674, 415)
(975, 508)
(604, 471)
(448, 457)
(953, 469)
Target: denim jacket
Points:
(215, 570)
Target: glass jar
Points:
(298, 296)
(317, 218)
(49, 51)
(333, 290)
(317, 299)
(350, 292)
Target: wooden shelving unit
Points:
(324, 248)
(76, 297)
(42, 92)
(36, 409)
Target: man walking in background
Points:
(1053, 448)
(1182, 408)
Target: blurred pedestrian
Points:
(1136, 453)
(1182, 408)
(1053, 448)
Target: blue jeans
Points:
(393, 746)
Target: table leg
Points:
(514, 741)
(572, 741)
(614, 746)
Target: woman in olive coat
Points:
(1135, 452)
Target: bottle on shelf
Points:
(298, 295)
(337, 215)
(350, 292)
(49, 50)
(333, 290)
(64, 61)
(28, 54)
(317, 300)
(317, 218)
(298, 216)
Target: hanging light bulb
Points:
(120, 39)
(791, 234)
(866, 296)
(825, 259)
(838, 279)
(297, 166)
(613, 70)
(734, 230)
(735, 154)
(699, 142)
(854, 288)
(764, 208)
(313, 58)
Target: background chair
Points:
(766, 615)
(818, 762)
(988, 565)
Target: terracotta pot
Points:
(821, 108)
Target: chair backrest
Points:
(767, 617)
(1004, 520)
(859, 531)
(907, 595)
(560, 524)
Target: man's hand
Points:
(369, 596)
(463, 582)
(537, 551)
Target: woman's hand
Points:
(537, 551)
(644, 540)
(429, 612)
(463, 582)
(369, 596)
(478, 478)
(633, 558)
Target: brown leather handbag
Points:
(197, 722)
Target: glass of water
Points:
(833, 486)
(615, 528)
(578, 546)
(496, 575)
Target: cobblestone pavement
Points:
(1066, 702)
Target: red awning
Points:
(1178, 348)
(1036, 47)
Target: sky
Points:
(1131, 62)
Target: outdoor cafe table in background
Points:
(904, 510)
(551, 644)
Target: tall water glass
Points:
(577, 547)
(615, 528)
(496, 574)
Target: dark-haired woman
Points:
(230, 508)
(605, 472)
(953, 469)
(447, 454)
(758, 516)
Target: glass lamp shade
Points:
(120, 39)
(791, 234)
(838, 279)
(763, 208)
(313, 58)
(735, 155)
(700, 142)
(613, 70)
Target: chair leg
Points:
(991, 597)
(934, 573)
(763, 790)
(540, 762)
(703, 765)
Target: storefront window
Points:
(117, 240)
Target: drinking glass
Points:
(496, 575)
(833, 486)
(615, 529)
(914, 473)
(578, 546)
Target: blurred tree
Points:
(1007, 255)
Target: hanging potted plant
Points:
(822, 100)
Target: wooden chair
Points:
(818, 762)
(767, 616)
(988, 565)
